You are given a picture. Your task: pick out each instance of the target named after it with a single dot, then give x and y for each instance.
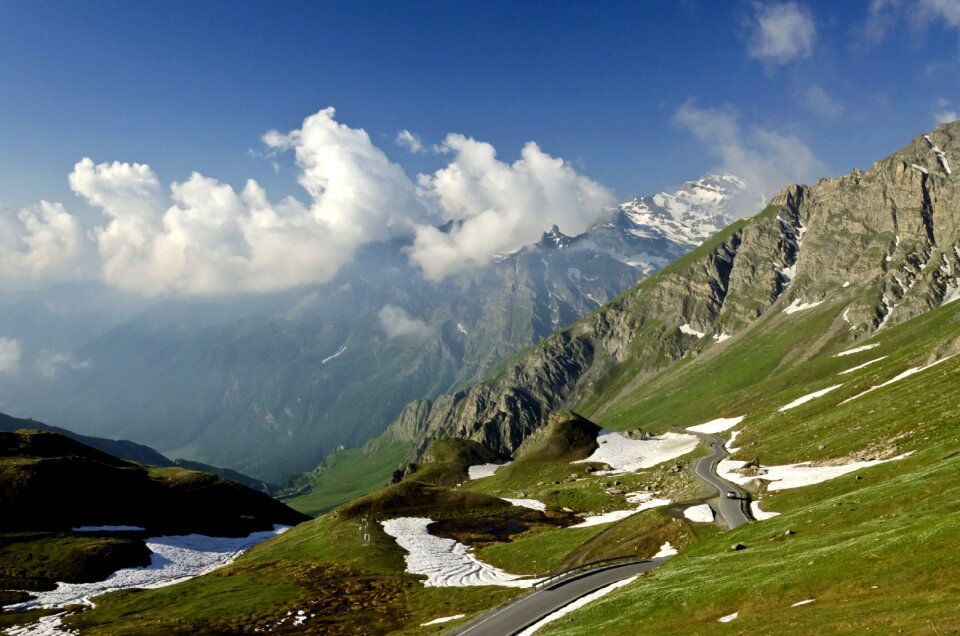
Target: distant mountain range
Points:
(269, 385)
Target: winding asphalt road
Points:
(529, 609)
(706, 469)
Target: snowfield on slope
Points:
(699, 514)
(759, 514)
(172, 560)
(644, 500)
(445, 562)
(479, 471)
(793, 475)
(808, 397)
(625, 455)
(533, 504)
(905, 374)
(718, 425)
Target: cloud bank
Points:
(202, 237)
(499, 207)
(767, 159)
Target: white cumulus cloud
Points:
(9, 355)
(408, 140)
(43, 241)
(767, 159)
(203, 237)
(499, 207)
(781, 32)
(396, 323)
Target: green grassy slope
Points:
(871, 547)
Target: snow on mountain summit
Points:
(692, 214)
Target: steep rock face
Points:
(886, 240)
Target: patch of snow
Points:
(796, 306)
(808, 397)
(905, 374)
(728, 617)
(625, 455)
(846, 284)
(941, 155)
(951, 295)
(860, 366)
(479, 471)
(699, 514)
(445, 619)
(172, 560)
(666, 550)
(690, 331)
(759, 514)
(723, 336)
(920, 168)
(806, 602)
(577, 604)
(445, 562)
(716, 426)
(729, 444)
(108, 529)
(339, 353)
(533, 504)
(616, 515)
(793, 475)
(51, 625)
(462, 329)
(846, 316)
(850, 352)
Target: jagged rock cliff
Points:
(884, 240)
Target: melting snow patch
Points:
(729, 445)
(666, 550)
(806, 602)
(796, 306)
(760, 515)
(577, 604)
(445, 562)
(793, 475)
(644, 500)
(850, 352)
(445, 619)
(808, 397)
(728, 617)
(483, 470)
(690, 331)
(897, 378)
(723, 336)
(625, 455)
(108, 529)
(716, 426)
(533, 504)
(860, 366)
(700, 514)
(339, 353)
(47, 626)
(172, 560)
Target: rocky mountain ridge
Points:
(884, 241)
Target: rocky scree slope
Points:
(886, 240)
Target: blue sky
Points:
(637, 96)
